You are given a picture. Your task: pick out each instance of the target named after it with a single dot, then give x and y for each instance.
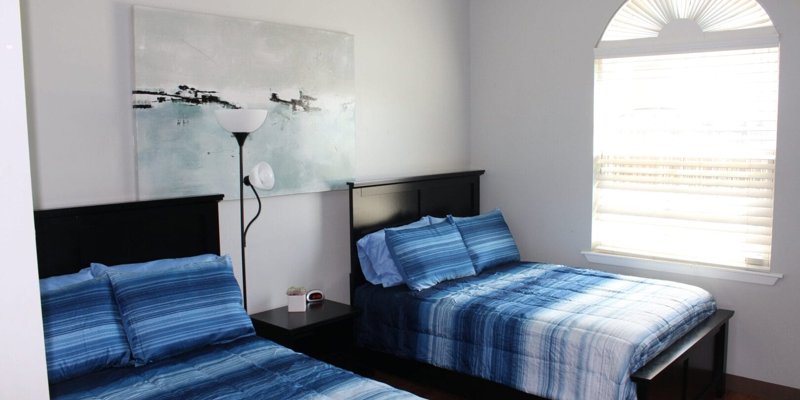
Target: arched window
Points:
(685, 120)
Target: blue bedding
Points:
(550, 330)
(249, 368)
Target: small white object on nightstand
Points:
(297, 303)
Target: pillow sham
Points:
(82, 330)
(376, 261)
(168, 312)
(435, 220)
(165, 263)
(488, 239)
(429, 254)
(60, 281)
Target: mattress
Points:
(550, 330)
(249, 368)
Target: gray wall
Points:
(531, 128)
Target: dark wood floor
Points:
(740, 396)
(434, 393)
(440, 385)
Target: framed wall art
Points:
(187, 65)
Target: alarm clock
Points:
(315, 296)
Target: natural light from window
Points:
(684, 141)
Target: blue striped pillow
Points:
(373, 253)
(429, 254)
(164, 263)
(168, 312)
(488, 239)
(82, 330)
(61, 281)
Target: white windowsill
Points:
(761, 278)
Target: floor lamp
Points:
(242, 122)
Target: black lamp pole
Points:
(240, 138)
(240, 123)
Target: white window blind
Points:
(647, 18)
(685, 156)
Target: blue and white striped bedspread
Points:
(249, 368)
(549, 330)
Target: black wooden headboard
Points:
(379, 204)
(69, 239)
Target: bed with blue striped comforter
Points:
(249, 368)
(550, 330)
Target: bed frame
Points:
(68, 239)
(692, 368)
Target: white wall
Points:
(412, 88)
(531, 128)
(22, 370)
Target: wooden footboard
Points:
(692, 368)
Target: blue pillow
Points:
(60, 281)
(82, 330)
(488, 239)
(166, 263)
(376, 261)
(171, 311)
(429, 254)
(435, 220)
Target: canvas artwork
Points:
(187, 65)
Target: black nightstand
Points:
(324, 330)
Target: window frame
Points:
(754, 38)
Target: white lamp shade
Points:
(262, 177)
(240, 120)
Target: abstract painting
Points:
(187, 65)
